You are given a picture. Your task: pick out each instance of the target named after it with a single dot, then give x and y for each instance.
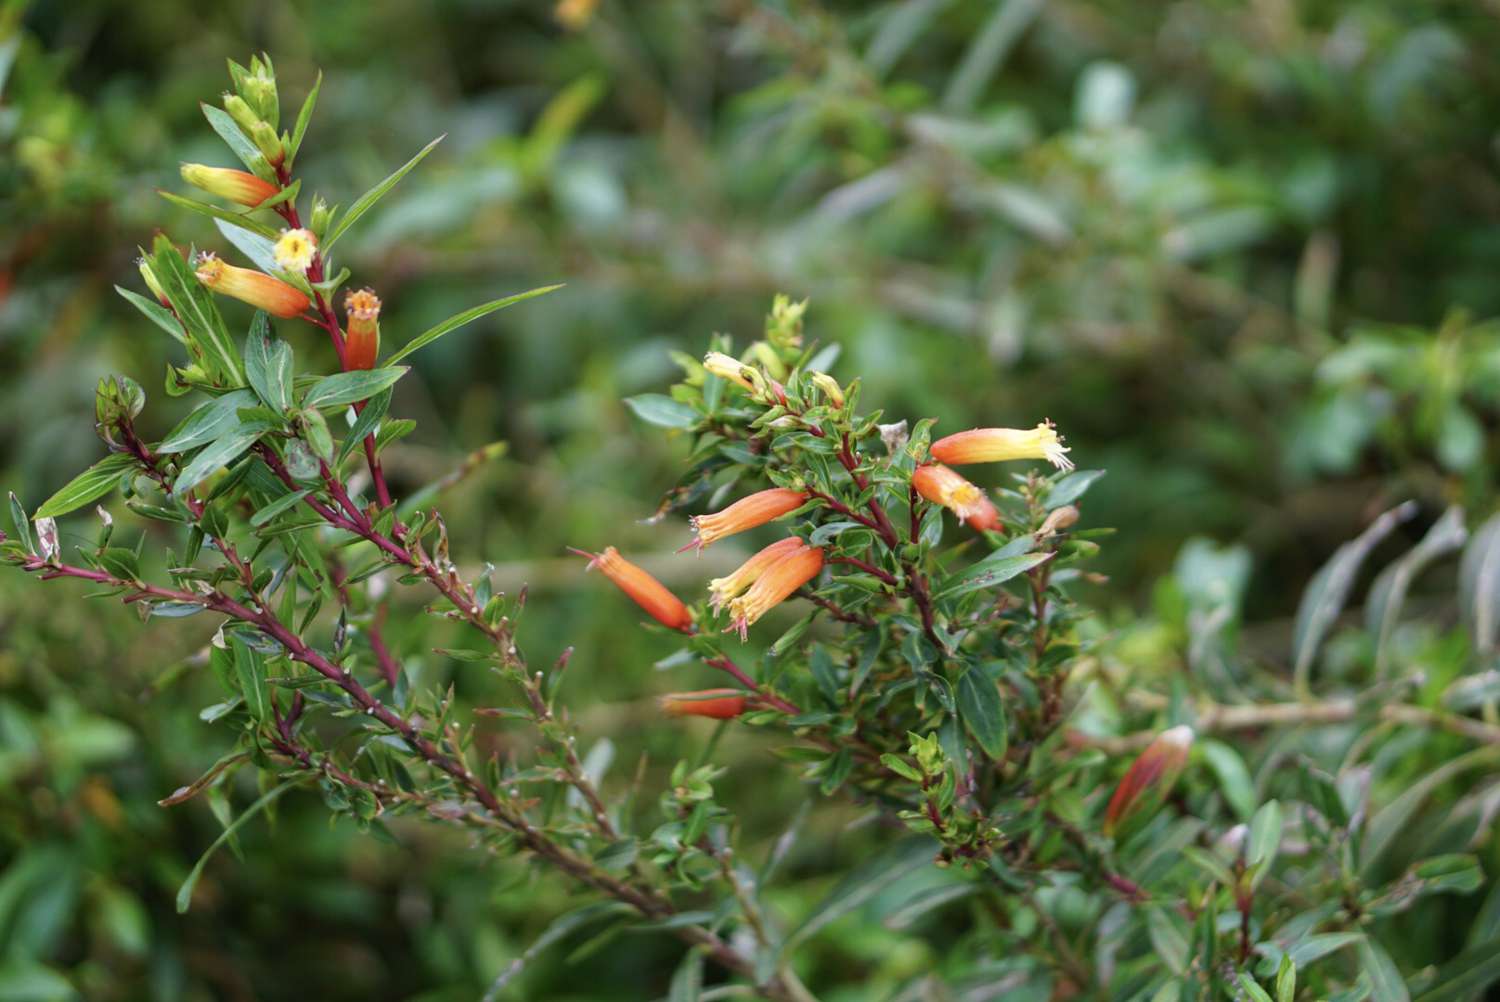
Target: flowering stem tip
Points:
(261, 291)
(746, 513)
(997, 445)
(643, 589)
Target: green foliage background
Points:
(1240, 252)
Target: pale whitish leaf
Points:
(90, 485)
(185, 892)
(1479, 585)
(367, 201)
(1388, 593)
(988, 573)
(219, 452)
(227, 220)
(456, 321)
(154, 311)
(863, 883)
(207, 422)
(663, 411)
(1326, 593)
(258, 246)
(46, 538)
(1386, 982)
(351, 387)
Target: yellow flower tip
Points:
(261, 291)
(774, 585)
(734, 370)
(718, 704)
(746, 513)
(998, 445)
(210, 269)
(237, 186)
(295, 250)
(643, 589)
(363, 309)
(723, 590)
(830, 387)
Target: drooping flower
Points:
(723, 589)
(363, 308)
(996, 445)
(734, 370)
(746, 513)
(237, 186)
(720, 704)
(830, 387)
(774, 585)
(295, 250)
(940, 485)
(643, 589)
(261, 291)
(1148, 781)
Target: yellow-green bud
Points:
(321, 216)
(244, 116)
(259, 88)
(149, 277)
(269, 143)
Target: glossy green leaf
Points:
(367, 201)
(467, 316)
(351, 387)
(90, 485)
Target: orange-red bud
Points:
(647, 592)
(237, 186)
(774, 585)
(363, 345)
(261, 291)
(746, 513)
(940, 485)
(720, 704)
(996, 445)
(1148, 781)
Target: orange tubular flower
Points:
(940, 485)
(647, 592)
(774, 585)
(720, 704)
(248, 286)
(235, 185)
(726, 588)
(996, 445)
(746, 513)
(1148, 781)
(364, 330)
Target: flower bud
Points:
(295, 250)
(735, 371)
(940, 485)
(643, 589)
(746, 513)
(322, 215)
(269, 143)
(774, 585)
(721, 590)
(830, 387)
(363, 346)
(149, 277)
(784, 325)
(1148, 781)
(237, 186)
(720, 704)
(258, 87)
(1059, 519)
(996, 445)
(261, 291)
(244, 116)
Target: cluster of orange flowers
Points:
(776, 572)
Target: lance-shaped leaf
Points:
(199, 315)
(1479, 585)
(456, 321)
(367, 201)
(351, 387)
(90, 485)
(1388, 593)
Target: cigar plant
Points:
(906, 629)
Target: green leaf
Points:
(1169, 938)
(207, 422)
(303, 117)
(220, 452)
(1388, 592)
(93, 483)
(1479, 585)
(1315, 948)
(367, 201)
(989, 572)
(235, 139)
(154, 311)
(1252, 990)
(258, 247)
(1071, 487)
(456, 321)
(185, 892)
(661, 410)
(863, 883)
(687, 982)
(1286, 980)
(982, 711)
(1386, 982)
(227, 219)
(1396, 817)
(268, 365)
(1265, 837)
(365, 424)
(1466, 976)
(351, 387)
(24, 980)
(281, 504)
(1234, 779)
(195, 308)
(21, 523)
(250, 668)
(560, 927)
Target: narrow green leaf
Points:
(863, 883)
(1072, 487)
(1393, 819)
(365, 424)
(367, 201)
(235, 139)
(982, 711)
(1286, 980)
(1234, 779)
(1466, 976)
(1388, 592)
(185, 892)
(20, 523)
(90, 485)
(219, 214)
(281, 504)
(250, 668)
(1479, 585)
(1386, 982)
(268, 365)
(303, 117)
(196, 309)
(259, 248)
(989, 572)
(1252, 990)
(351, 387)
(154, 311)
(220, 452)
(662, 410)
(207, 422)
(456, 321)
